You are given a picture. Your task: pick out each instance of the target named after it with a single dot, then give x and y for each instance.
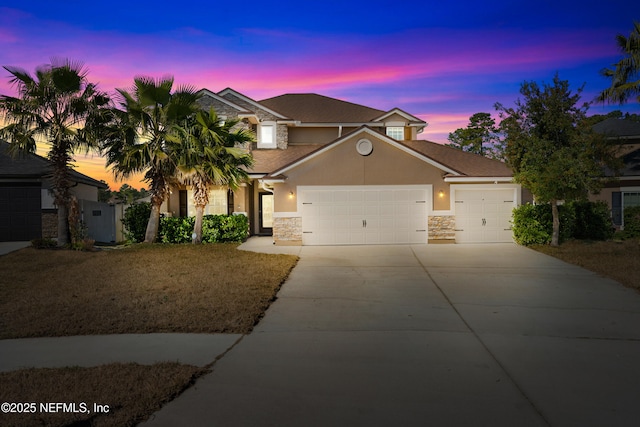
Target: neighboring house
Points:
(625, 190)
(330, 172)
(26, 205)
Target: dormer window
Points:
(395, 132)
(267, 135)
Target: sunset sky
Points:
(441, 61)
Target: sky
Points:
(440, 61)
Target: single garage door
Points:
(483, 216)
(364, 215)
(20, 213)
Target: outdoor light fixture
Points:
(291, 194)
(441, 194)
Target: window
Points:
(217, 202)
(622, 200)
(267, 135)
(396, 132)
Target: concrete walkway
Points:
(6, 247)
(442, 335)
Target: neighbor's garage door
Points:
(483, 216)
(20, 213)
(364, 215)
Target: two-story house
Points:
(330, 172)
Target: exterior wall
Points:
(305, 135)
(49, 223)
(287, 230)
(343, 165)
(85, 192)
(442, 228)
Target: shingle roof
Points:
(467, 164)
(618, 128)
(267, 161)
(27, 165)
(314, 108)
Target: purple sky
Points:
(440, 62)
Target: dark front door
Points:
(182, 194)
(265, 213)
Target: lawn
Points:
(140, 289)
(618, 260)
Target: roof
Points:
(446, 158)
(468, 164)
(28, 165)
(621, 128)
(314, 108)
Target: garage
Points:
(20, 212)
(484, 215)
(355, 215)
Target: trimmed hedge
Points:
(215, 229)
(533, 224)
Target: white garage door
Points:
(483, 216)
(364, 215)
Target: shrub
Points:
(215, 229)
(44, 243)
(135, 221)
(533, 224)
(175, 229)
(593, 220)
(528, 228)
(632, 221)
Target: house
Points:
(26, 205)
(625, 190)
(330, 172)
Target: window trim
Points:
(262, 128)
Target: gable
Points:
(380, 142)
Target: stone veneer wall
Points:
(50, 225)
(287, 229)
(442, 227)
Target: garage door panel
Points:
(483, 215)
(363, 216)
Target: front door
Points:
(265, 213)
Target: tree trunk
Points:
(555, 235)
(197, 226)
(154, 223)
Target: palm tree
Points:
(212, 154)
(60, 107)
(625, 77)
(144, 138)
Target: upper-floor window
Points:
(267, 135)
(396, 132)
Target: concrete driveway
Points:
(438, 335)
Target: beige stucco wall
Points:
(343, 165)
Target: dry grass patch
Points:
(141, 289)
(618, 260)
(132, 392)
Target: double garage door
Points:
(484, 216)
(20, 212)
(353, 215)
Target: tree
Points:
(144, 138)
(479, 137)
(625, 76)
(58, 105)
(211, 153)
(550, 146)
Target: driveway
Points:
(437, 335)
